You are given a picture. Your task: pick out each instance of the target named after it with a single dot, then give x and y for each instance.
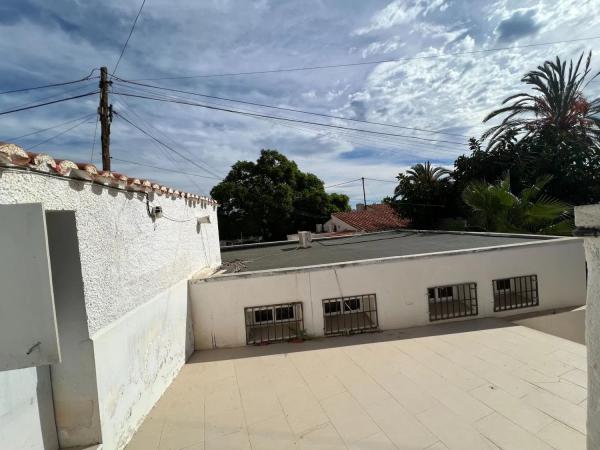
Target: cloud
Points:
(46, 42)
(520, 24)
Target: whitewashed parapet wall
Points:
(134, 273)
(587, 218)
(400, 284)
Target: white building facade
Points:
(119, 274)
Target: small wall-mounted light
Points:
(156, 212)
(203, 219)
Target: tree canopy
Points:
(272, 197)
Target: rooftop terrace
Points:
(358, 247)
(482, 384)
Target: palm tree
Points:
(423, 175)
(498, 209)
(557, 105)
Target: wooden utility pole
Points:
(105, 113)
(364, 194)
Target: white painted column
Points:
(587, 219)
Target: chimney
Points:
(360, 207)
(304, 239)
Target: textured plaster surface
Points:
(126, 257)
(140, 355)
(400, 284)
(589, 216)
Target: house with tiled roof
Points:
(370, 218)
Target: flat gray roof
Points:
(357, 247)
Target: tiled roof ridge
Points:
(11, 155)
(377, 217)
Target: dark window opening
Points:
(515, 293)
(358, 315)
(352, 304)
(273, 323)
(449, 302)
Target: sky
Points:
(445, 94)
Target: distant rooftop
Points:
(378, 217)
(357, 247)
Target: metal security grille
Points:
(448, 302)
(515, 292)
(347, 315)
(273, 323)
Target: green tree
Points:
(496, 208)
(554, 129)
(424, 195)
(271, 198)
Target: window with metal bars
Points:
(515, 292)
(449, 302)
(348, 315)
(273, 323)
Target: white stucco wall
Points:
(400, 284)
(134, 272)
(335, 224)
(589, 216)
(126, 259)
(26, 419)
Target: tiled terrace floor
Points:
(482, 384)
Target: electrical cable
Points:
(94, 140)
(256, 115)
(129, 37)
(165, 145)
(424, 130)
(162, 149)
(16, 138)
(51, 85)
(366, 63)
(161, 168)
(31, 147)
(47, 103)
(341, 184)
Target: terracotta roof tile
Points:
(378, 217)
(12, 155)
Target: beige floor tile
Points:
(260, 404)
(235, 441)
(561, 410)
(565, 389)
(439, 445)
(507, 435)
(401, 427)
(179, 435)
(377, 441)
(576, 360)
(576, 376)
(302, 410)
(349, 419)
(519, 412)
(411, 396)
(362, 387)
(452, 430)
(223, 423)
(147, 436)
(272, 434)
(323, 437)
(562, 437)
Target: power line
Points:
(382, 181)
(262, 105)
(191, 161)
(161, 168)
(94, 140)
(129, 37)
(16, 138)
(31, 147)
(289, 119)
(366, 63)
(64, 83)
(48, 103)
(340, 184)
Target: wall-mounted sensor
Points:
(203, 219)
(157, 212)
